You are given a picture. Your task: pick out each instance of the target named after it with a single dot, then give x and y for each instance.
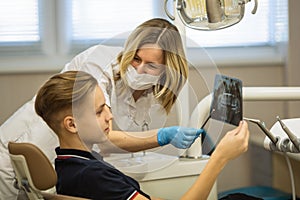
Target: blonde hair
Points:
(167, 37)
(61, 93)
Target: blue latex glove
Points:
(180, 137)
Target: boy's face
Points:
(93, 122)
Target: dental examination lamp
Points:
(209, 14)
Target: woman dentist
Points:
(141, 83)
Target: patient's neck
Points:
(74, 144)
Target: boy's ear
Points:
(69, 124)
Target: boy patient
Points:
(73, 105)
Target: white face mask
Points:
(140, 81)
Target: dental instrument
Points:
(276, 143)
(208, 117)
(292, 137)
(263, 128)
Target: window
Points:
(57, 30)
(265, 35)
(267, 27)
(106, 18)
(106, 21)
(19, 25)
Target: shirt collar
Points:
(72, 153)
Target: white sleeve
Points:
(79, 60)
(97, 61)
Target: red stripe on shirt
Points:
(134, 195)
(64, 157)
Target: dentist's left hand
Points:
(180, 137)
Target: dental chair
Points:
(35, 174)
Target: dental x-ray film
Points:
(227, 102)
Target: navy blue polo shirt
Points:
(81, 174)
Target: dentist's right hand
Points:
(180, 137)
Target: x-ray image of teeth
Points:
(227, 100)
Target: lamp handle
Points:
(167, 11)
(243, 2)
(255, 7)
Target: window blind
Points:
(102, 19)
(19, 21)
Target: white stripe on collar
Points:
(75, 156)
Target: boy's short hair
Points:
(60, 93)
